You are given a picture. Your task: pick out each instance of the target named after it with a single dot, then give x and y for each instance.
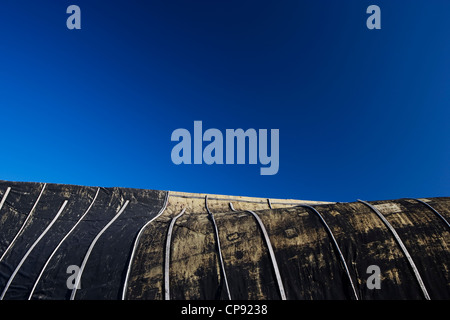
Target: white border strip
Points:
(336, 246)
(88, 253)
(4, 197)
(167, 256)
(136, 243)
(218, 246)
(312, 202)
(402, 246)
(23, 224)
(31, 249)
(272, 255)
(60, 243)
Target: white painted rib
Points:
(23, 224)
(60, 243)
(136, 243)
(272, 255)
(88, 253)
(271, 252)
(335, 245)
(31, 249)
(430, 207)
(167, 256)
(222, 265)
(4, 197)
(402, 246)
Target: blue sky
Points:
(361, 113)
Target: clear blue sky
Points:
(361, 113)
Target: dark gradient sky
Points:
(361, 113)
